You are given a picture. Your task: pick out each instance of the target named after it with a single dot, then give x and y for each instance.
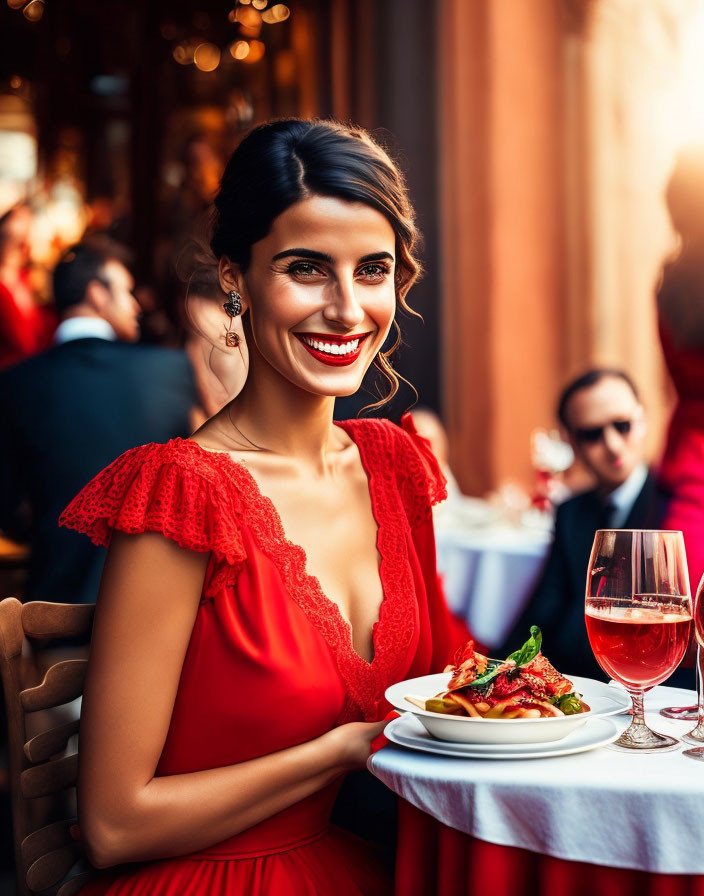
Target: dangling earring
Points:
(233, 308)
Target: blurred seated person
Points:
(220, 372)
(429, 425)
(680, 303)
(601, 414)
(68, 411)
(25, 327)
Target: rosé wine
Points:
(638, 646)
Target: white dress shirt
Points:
(83, 328)
(624, 497)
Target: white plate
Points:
(603, 699)
(407, 731)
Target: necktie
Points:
(607, 515)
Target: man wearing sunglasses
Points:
(604, 420)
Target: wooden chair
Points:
(38, 768)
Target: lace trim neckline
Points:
(393, 629)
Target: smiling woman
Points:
(283, 567)
(282, 164)
(324, 274)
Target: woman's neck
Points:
(274, 414)
(282, 424)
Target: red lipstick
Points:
(337, 351)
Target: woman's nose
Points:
(343, 305)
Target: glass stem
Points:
(700, 687)
(638, 711)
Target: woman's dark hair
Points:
(283, 162)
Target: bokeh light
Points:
(34, 10)
(248, 17)
(206, 57)
(183, 53)
(240, 49)
(256, 50)
(278, 13)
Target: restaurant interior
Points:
(537, 139)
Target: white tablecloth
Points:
(643, 812)
(488, 574)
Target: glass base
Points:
(697, 753)
(681, 713)
(643, 740)
(695, 736)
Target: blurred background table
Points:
(596, 822)
(488, 565)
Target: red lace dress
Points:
(265, 627)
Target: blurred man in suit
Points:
(69, 411)
(601, 413)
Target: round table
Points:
(592, 822)
(488, 573)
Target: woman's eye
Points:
(374, 272)
(304, 269)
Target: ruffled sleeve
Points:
(161, 488)
(421, 481)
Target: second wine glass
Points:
(638, 614)
(696, 735)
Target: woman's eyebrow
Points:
(377, 256)
(322, 256)
(303, 253)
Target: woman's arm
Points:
(143, 622)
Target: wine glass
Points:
(696, 735)
(638, 613)
(684, 713)
(689, 713)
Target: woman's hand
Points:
(351, 743)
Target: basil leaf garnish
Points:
(520, 657)
(530, 649)
(492, 670)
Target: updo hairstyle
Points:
(283, 162)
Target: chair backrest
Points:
(45, 850)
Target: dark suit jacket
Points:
(557, 604)
(64, 415)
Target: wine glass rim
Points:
(654, 531)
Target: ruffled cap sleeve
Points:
(422, 480)
(160, 488)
